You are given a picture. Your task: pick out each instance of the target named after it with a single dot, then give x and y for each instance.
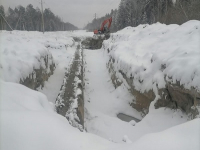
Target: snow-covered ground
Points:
(158, 53)
(103, 102)
(21, 52)
(63, 58)
(152, 54)
(28, 120)
(63, 50)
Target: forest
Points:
(136, 12)
(29, 19)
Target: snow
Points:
(184, 137)
(126, 139)
(103, 102)
(62, 50)
(52, 86)
(20, 55)
(132, 122)
(63, 58)
(28, 120)
(158, 53)
(21, 52)
(100, 94)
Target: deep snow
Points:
(158, 53)
(103, 102)
(28, 120)
(63, 58)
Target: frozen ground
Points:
(28, 120)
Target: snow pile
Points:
(29, 122)
(183, 137)
(21, 52)
(154, 54)
(20, 55)
(103, 103)
(113, 129)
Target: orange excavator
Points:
(103, 29)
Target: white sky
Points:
(77, 12)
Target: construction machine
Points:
(104, 29)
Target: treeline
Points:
(29, 19)
(135, 12)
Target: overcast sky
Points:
(77, 12)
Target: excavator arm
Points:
(102, 29)
(109, 21)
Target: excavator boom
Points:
(109, 21)
(102, 30)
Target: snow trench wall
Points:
(70, 100)
(157, 67)
(173, 96)
(37, 78)
(25, 58)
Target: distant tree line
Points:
(135, 12)
(29, 18)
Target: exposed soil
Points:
(69, 90)
(94, 43)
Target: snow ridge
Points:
(154, 54)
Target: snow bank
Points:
(182, 137)
(154, 54)
(29, 122)
(113, 129)
(21, 51)
(20, 55)
(103, 102)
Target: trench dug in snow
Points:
(107, 110)
(27, 116)
(108, 113)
